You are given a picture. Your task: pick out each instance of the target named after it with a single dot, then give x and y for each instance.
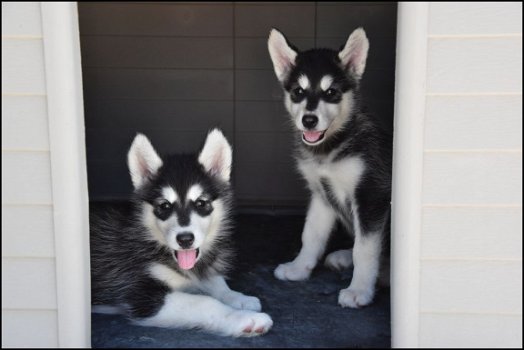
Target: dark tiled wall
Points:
(173, 70)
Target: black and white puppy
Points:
(345, 157)
(162, 262)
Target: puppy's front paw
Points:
(243, 302)
(248, 323)
(355, 298)
(339, 260)
(292, 271)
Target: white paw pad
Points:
(355, 298)
(339, 260)
(250, 324)
(292, 272)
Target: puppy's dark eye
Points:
(331, 92)
(201, 203)
(165, 206)
(298, 92)
(203, 206)
(163, 210)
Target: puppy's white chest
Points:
(341, 177)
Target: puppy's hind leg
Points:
(183, 310)
(339, 260)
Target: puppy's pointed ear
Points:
(282, 55)
(143, 161)
(216, 155)
(354, 54)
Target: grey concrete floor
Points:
(305, 314)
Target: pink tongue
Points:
(312, 136)
(186, 258)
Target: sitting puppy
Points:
(344, 156)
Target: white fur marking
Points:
(169, 276)
(344, 176)
(303, 81)
(194, 192)
(335, 114)
(215, 219)
(326, 82)
(149, 220)
(170, 194)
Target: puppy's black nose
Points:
(309, 121)
(185, 239)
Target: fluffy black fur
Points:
(361, 135)
(122, 248)
(344, 155)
